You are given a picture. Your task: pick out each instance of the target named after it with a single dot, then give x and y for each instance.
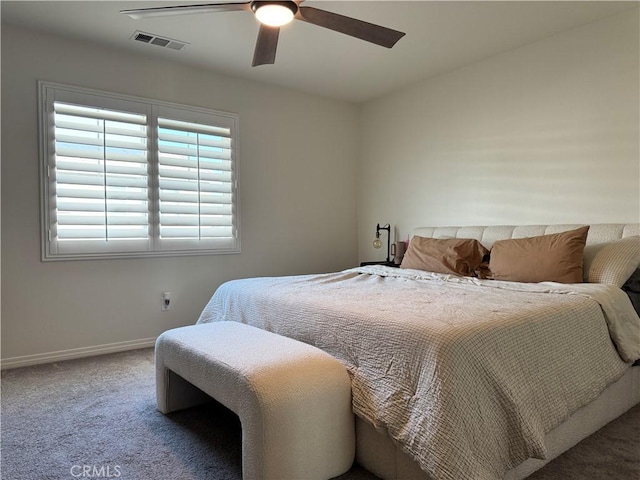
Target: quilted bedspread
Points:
(466, 375)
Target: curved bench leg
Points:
(174, 393)
(295, 431)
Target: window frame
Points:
(48, 93)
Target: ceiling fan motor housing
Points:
(291, 5)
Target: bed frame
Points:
(376, 452)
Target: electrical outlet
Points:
(166, 301)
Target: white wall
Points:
(298, 203)
(546, 133)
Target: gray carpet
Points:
(96, 418)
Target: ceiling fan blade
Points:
(266, 46)
(140, 13)
(369, 32)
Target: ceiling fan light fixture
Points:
(274, 14)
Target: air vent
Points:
(164, 42)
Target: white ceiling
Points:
(440, 36)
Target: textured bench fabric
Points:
(293, 400)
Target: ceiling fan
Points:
(274, 14)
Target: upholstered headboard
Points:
(598, 233)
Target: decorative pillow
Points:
(613, 262)
(633, 283)
(460, 256)
(632, 288)
(546, 258)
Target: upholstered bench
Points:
(293, 400)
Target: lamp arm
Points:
(387, 227)
(388, 242)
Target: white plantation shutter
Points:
(101, 176)
(128, 177)
(196, 183)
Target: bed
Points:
(457, 377)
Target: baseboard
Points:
(49, 357)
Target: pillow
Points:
(632, 288)
(460, 256)
(633, 283)
(546, 258)
(613, 262)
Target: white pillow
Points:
(612, 263)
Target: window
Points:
(125, 177)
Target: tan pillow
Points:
(612, 263)
(460, 256)
(547, 258)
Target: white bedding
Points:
(466, 375)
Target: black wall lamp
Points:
(377, 243)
